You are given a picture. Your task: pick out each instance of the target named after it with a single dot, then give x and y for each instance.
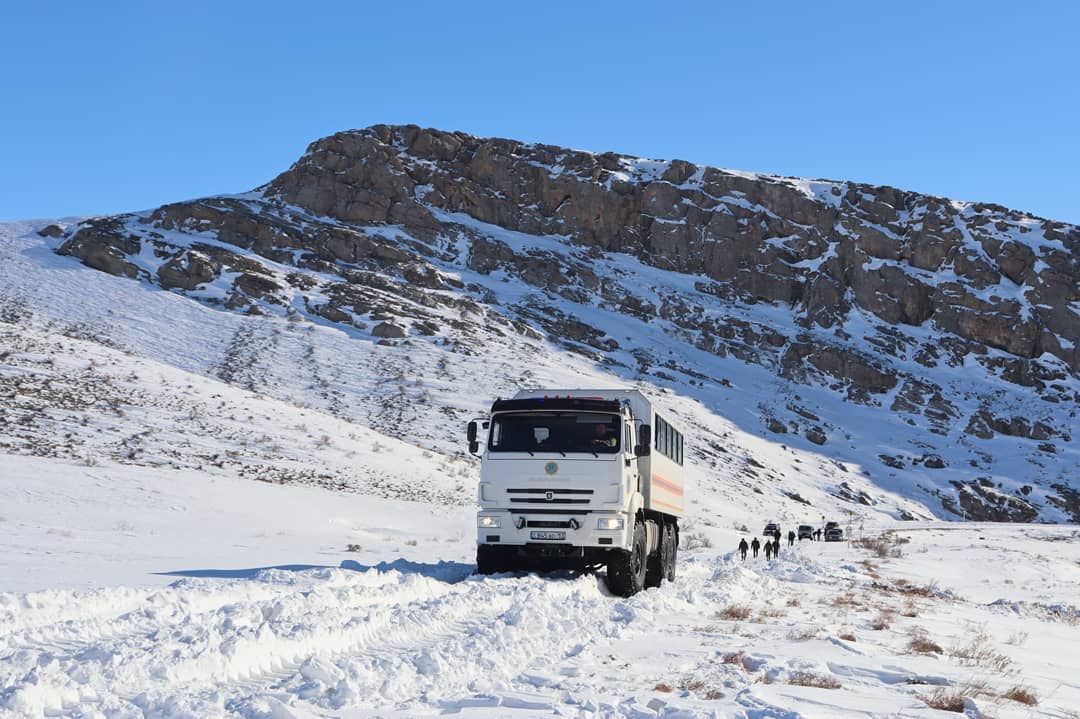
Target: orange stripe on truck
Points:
(662, 483)
(669, 506)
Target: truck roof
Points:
(640, 404)
(587, 404)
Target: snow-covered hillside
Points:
(159, 363)
(926, 345)
(146, 572)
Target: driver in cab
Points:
(603, 435)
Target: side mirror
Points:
(474, 446)
(644, 446)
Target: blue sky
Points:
(125, 107)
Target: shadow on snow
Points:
(449, 572)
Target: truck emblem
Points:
(551, 468)
(549, 496)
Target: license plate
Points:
(547, 535)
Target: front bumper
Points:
(586, 535)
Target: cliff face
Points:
(986, 274)
(882, 296)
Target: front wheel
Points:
(626, 572)
(490, 560)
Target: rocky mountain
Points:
(929, 346)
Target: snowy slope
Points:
(873, 460)
(145, 573)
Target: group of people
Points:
(772, 548)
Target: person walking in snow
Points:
(755, 546)
(768, 550)
(791, 538)
(743, 546)
(776, 547)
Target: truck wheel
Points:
(490, 560)
(671, 545)
(656, 566)
(626, 572)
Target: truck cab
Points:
(571, 478)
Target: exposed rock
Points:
(388, 330)
(890, 461)
(1068, 500)
(776, 426)
(186, 271)
(372, 176)
(933, 461)
(983, 424)
(851, 367)
(102, 244)
(846, 492)
(982, 503)
(51, 231)
(254, 285)
(332, 313)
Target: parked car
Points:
(831, 525)
(805, 532)
(834, 534)
(772, 529)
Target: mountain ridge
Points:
(958, 320)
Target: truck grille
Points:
(538, 495)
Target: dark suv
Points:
(772, 529)
(805, 532)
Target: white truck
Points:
(578, 479)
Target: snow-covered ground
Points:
(169, 593)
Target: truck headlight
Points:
(486, 521)
(609, 523)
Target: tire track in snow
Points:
(179, 635)
(513, 627)
(67, 620)
(284, 657)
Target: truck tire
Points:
(626, 572)
(671, 544)
(490, 560)
(662, 563)
(656, 566)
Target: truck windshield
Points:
(555, 432)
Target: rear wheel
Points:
(490, 560)
(626, 571)
(655, 566)
(662, 563)
(671, 546)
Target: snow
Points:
(262, 612)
